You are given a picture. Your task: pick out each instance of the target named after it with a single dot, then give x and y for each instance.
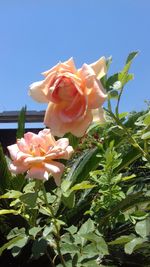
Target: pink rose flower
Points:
(37, 154)
(71, 95)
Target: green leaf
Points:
(68, 198)
(121, 240)
(20, 243)
(90, 263)
(82, 185)
(133, 245)
(3, 212)
(113, 94)
(98, 240)
(15, 232)
(142, 228)
(90, 251)
(69, 248)
(34, 231)
(21, 123)
(123, 115)
(146, 136)
(73, 140)
(111, 81)
(5, 174)
(147, 119)
(39, 248)
(131, 56)
(87, 227)
(47, 230)
(72, 229)
(125, 78)
(11, 194)
(12, 242)
(132, 155)
(83, 165)
(29, 199)
(126, 178)
(18, 181)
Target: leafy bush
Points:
(99, 215)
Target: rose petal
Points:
(37, 173)
(99, 67)
(33, 160)
(62, 67)
(68, 153)
(98, 115)
(56, 169)
(87, 74)
(63, 143)
(36, 92)
(53, 121)
(13, 150)
(78, 128)
(16, 169)
(75, 110)
(97, 96)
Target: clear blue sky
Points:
(36, 34)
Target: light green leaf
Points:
(72, 229)
(20, 243)
(121, 240)
(87, 227)
(90, 250)
(34, 231)
(90, 263)
(133, 244)
(11, 194)
(69, 248)
(47, 230)
(12, 242)
(147, 119)
(82, 185)
(143, 228)
(123, 115)
(146, 136)
(126, 178)
(15, 232)
(3, 212)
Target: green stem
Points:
(118, 102)
(130, 137)
(56, 227)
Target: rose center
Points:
(66, 89)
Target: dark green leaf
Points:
(39, 248)
(21, 123)
(29, 199)
(73, 140)
(83, 165)
(5, 175)
(68, 198)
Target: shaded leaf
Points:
(21, 123)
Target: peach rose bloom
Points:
(71, 95)
(37, 154)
